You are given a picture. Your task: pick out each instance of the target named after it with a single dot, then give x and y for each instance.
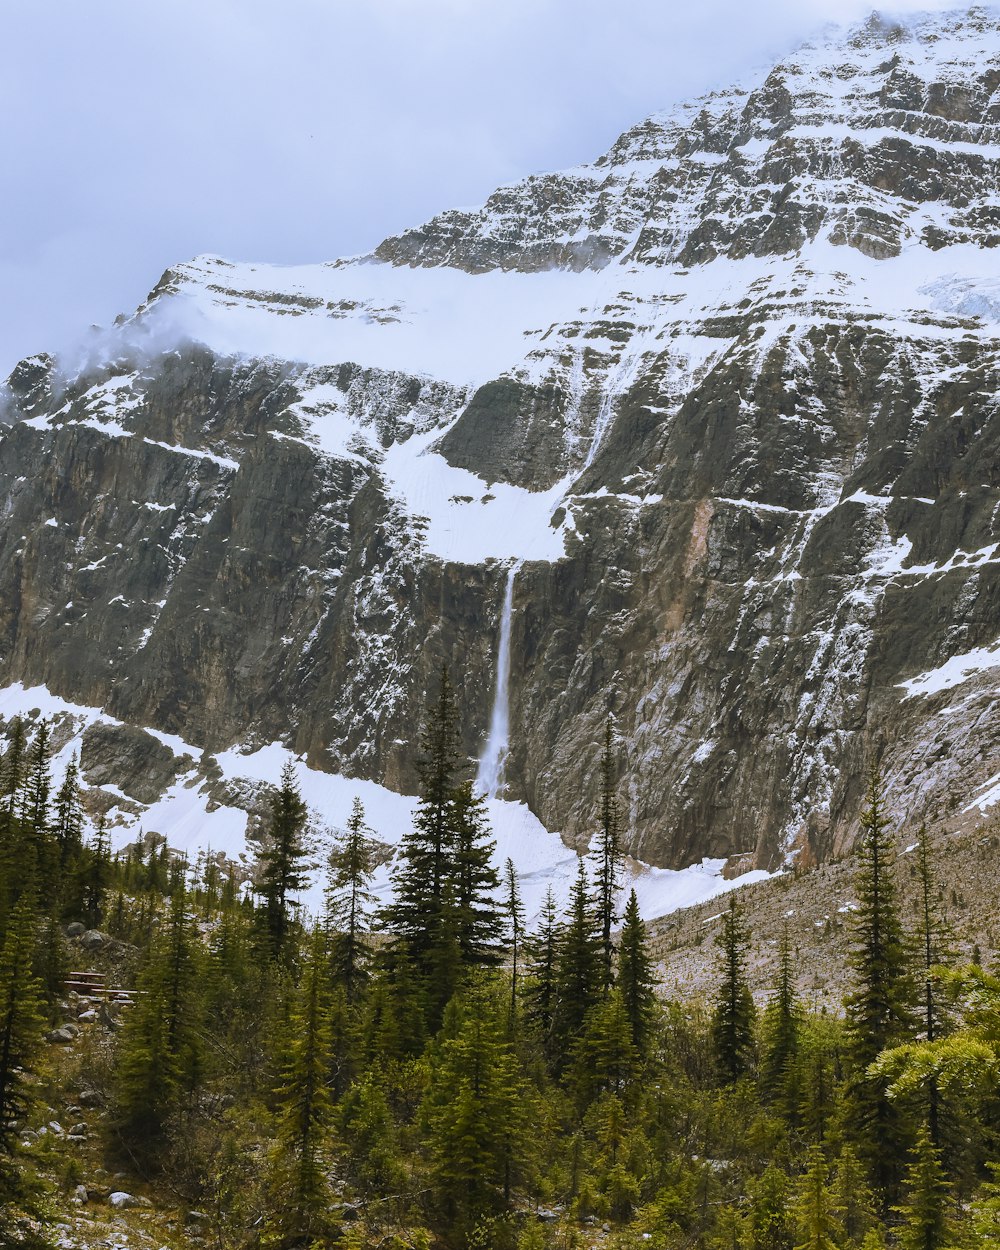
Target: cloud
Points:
(136, 135)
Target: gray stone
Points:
(94, 940)
(75, 929)
(63, 1036)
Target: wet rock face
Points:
(778, 484)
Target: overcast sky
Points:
(135, 134)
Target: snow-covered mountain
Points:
(705, 433)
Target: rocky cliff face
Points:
(726, 397)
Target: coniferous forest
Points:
(447, 1072)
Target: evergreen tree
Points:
(160, 1061)
(68, 822)
(986, 1210)
(348, 905)
(13, 771)
(477, 922)
(370, 1142)
(50, 960)
(733, 1018)
(816, 1105)
(541, 989)
(878, 1008)
(782, 1026)
(514, 911)
(815, 1221)
(931, 937)
(23, 1211)
(422, 916)
(395, 1025)
(94, 876)
(300, 1214)
(605, 1057)
(926, 1210)
(579, 969)
(770, 1225)
(853, 1200)
(21, 1022)
(475, 1111)
(635, 976)
(38, 784)
(35, 853)
(608, 856)
(281, 864)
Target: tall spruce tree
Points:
(161, 1054)
(929, 1203)
(94, 874)
(21, 1021)
(770, 1217)
(607, 855)
(635, 976)
(733, 1017)
(853, 1200)
(12, 769)
(478, 924)
(348, 904)
(422, 916)
(12, 776)
(514, 913)
(282, 864)
(541, 986)
(878, 1007)
(932, 948)
(782, 1028)
(816, 1223)
(579, 967)
(605, 1058)
(67, 824)
(38, 782)
(476, 1112)
(444, 912)
(300, 1214)
(23, 1214)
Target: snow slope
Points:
(192, 821)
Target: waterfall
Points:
(490, 778)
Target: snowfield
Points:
(192, 822)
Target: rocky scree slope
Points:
(725, 399)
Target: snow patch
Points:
(953, 672)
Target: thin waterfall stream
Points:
(492, 762)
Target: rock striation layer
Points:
(728, 396)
